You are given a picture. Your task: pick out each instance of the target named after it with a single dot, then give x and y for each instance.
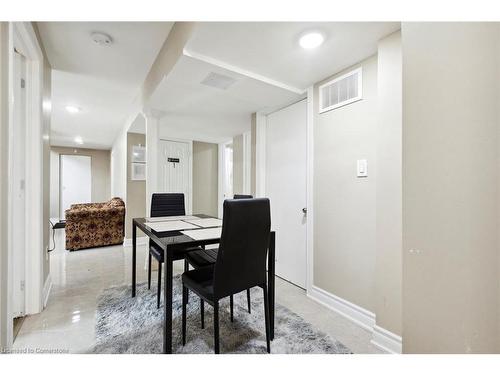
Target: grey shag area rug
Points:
(134, 325)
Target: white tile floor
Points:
(78, 278)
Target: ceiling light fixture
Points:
(101, 39)
(79, 140)
(72, 109)
(311, 40)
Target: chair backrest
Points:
(167, 204)
(242, 196)
(241, 260)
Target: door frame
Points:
(247, 162)
(260, 172)
(18, 142)
(189, 207)
(221, 172)
(22, 36)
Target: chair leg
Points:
(216, 327)
(248, 301)
(186, 268)
(231, 307)
(149, 271)
(184, 302)
(266, 314)
(202, 312)
(158, 294)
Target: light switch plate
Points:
(362, 168)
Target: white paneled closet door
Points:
(175, 169)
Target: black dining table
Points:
(171, 241)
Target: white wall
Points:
(205, 178)
(238, 169)
(119, 167)
(136, 190)
(344, 205)
(450, 187)
(388, 275)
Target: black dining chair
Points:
(240, 264)
(207, 257)
(165, 204)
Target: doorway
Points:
(175, 169)
(225, 175)
(286, 187)
(76, 181)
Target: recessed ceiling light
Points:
(72, 109)
(311, 40)
(79, 140)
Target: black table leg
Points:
(167, 302)
(134, 256)
(271, 277)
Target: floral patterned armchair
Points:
(95, 224)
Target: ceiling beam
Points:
(241, 71)
(166, 59)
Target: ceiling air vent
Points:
(341, 91)
(218, 80)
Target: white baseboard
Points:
(386, 340)
(381, 338)
(362, 317)
(140, 241)
(47, 287)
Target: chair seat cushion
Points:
(202, 258)
(200, 281)
(158, 253)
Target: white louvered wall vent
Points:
(341, 91)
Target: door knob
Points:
(304, 210)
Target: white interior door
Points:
(175, 169)
(76, 180)
(18, 186)
(286, 170)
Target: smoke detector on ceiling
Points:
(218, 81)
(101, 39)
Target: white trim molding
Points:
(386, 340)
(310, 189)
(22, 36)
(381, 338)
(47, 287)
(362, 317)
(143, 240)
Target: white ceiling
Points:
(102, 80)
(204, 112)
(271, 49)
(268, 63)
(269, 66)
